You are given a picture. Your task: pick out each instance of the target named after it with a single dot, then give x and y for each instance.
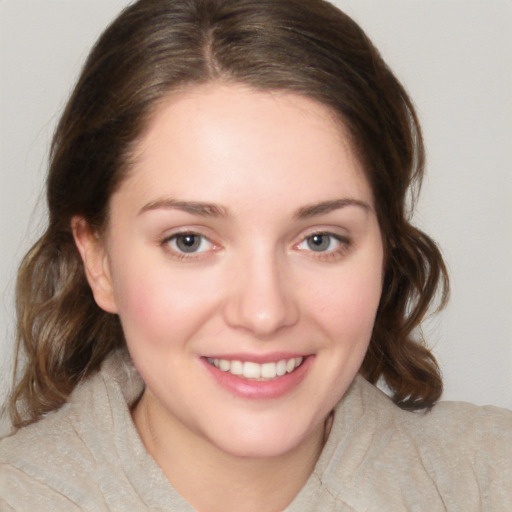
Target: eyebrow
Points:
(215, 210)
(324, 207)
(192, 207)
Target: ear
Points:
(94, 256)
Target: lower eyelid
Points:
(169, 241)
(342, 247)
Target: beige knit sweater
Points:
(87, 456)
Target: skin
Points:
(278, 169)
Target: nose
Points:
(261, 299)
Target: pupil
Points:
(318, 242)
(188, 243)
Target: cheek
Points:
(157, 305)
(347, 302)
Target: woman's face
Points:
(244, 258)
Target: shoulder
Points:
(474, 430)
(461, 442)
(41, 441)
(447, 426)
(467, 451)
(74, 435)
(87, 455)
(70, 458)
(457, 456)
(48, 465)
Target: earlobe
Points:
(94, 257)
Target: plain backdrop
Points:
(454, 58)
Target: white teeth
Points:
(268, 370)
(281, 368)
(255, 371)
(237, 368)
(252, 370)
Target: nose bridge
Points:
(260, 301)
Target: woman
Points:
(227, 270)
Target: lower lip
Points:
(257, 389)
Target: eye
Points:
(321, 242)
(188, 243)
(325, 246)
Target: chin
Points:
(257, 448)
(263, 440)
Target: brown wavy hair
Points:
(155, 47)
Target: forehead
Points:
(216, 140)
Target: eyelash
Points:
(342, 245)
(176, 252)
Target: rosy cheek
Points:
(348, 304)
(135, 292)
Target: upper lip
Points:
(257, 358)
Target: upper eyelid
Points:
(186, 230)
(175, 253)
(336, 236)
(185, 233)
(167, 239)
(198, 235)
(343, 245)
(338, 233)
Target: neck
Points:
(226, 482)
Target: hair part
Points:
(153, 48)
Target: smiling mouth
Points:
(255, 371)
